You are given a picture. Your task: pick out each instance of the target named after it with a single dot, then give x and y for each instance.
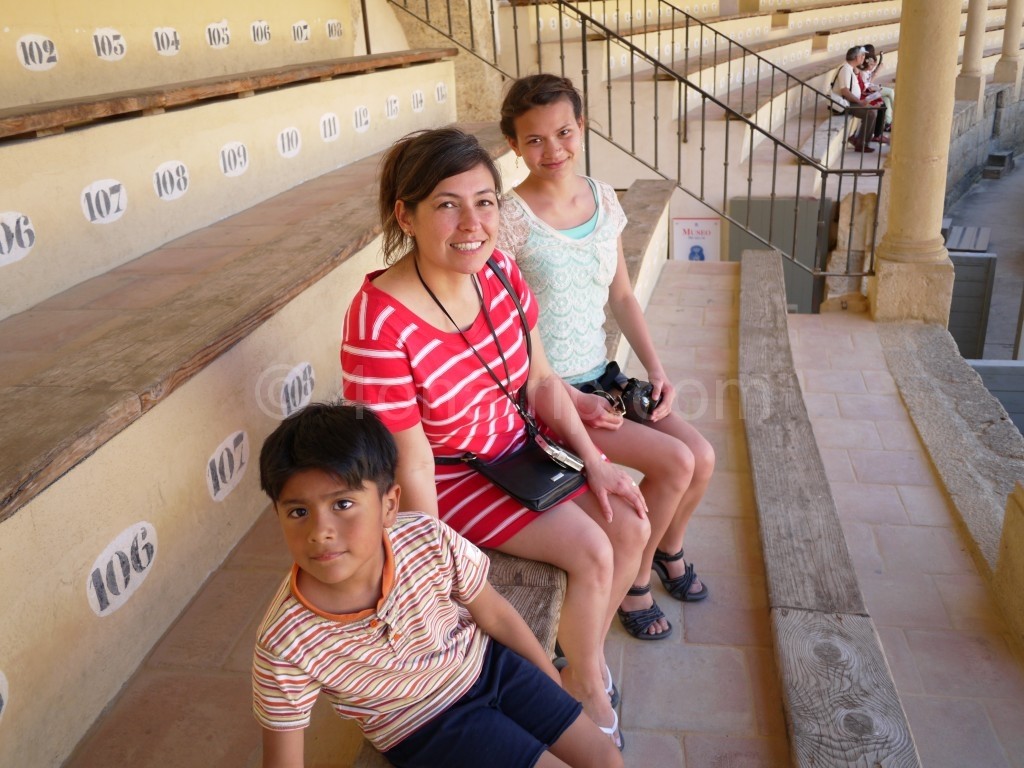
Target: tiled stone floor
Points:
(960, 678)
(707, 696)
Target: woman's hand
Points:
(605, 479)
(596, 412)
(662, 388)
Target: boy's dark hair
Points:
(536, 91)
(414, 166)
(343, 439)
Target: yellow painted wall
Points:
(143, 505)
(62, 661)
(61, 49)
(155, 472)
(61, 184)
(386, 34)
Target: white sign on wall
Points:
(167, 41)
(697, 239)
(234, 159)
(104, 201)
(37, 53)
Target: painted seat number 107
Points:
(227, 465)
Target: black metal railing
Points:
(689, 104)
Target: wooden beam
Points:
(39, 117)
(801, 537)
(842, 706)
(841, 702)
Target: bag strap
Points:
(500, 274)
(520, 401)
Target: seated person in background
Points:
(869, 73)
(847, 94)
(875, 101)
(391, 615)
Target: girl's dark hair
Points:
(537, 91)
(342, 439)
(414, 166)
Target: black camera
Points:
(637, 399)
(630, 397)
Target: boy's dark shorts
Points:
(510, 716)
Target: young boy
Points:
(392, 617)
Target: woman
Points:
(873, 98)
(564, 231)
(416, 339)
(869, 72)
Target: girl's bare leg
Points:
(600, 560)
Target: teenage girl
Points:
(564, 231)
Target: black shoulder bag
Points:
(540, 474)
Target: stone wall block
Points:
(856, 217)
(911, 291)
(1008, 580)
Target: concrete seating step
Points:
(55, 116)
(149, 352)
(815, 600)
(967, 238)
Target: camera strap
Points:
(520, 405)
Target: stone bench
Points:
(113, 367)
(841, 702)
(966, 238)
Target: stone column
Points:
(1008, 68)
(913, 274)
(970, 85)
